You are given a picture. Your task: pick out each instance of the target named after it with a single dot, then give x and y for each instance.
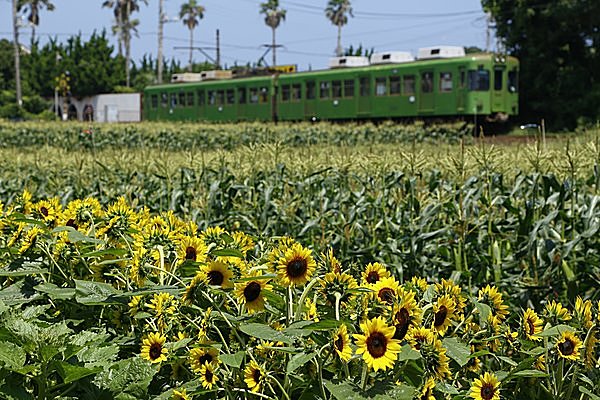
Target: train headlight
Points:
(411, 99)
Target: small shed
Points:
(110, 107)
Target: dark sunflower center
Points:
(44, 211)
(155, 351)
(71, 223)
(440, 316)
(567, 347)
(190, 253)
(530, 327)
(208, 375)
(426, 395)
(256, 376)
(252, 291)
(402, 323)
(215, 278)
(376, 344)
(206, 358)
(297, 268)
(487, 391)
(373, 277)
(339, 343)
(386, 295)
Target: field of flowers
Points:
(297, 262)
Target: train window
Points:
(201, 98)
(230, 96)
(513, 81)
(380, 86)
(285, 92)
(409, 86)
(220, 97)
(349, 88)
(296, 92)
(242, 95)
(310, 90)
(154, 101)
(498, 78)
(181, 101)
(324, 90)
(462, 78)
(253, 95)
(445, 81)
(394, 85)
(190, 99)
(264, 94)
(164, 100)
(478, 80)
(427, 82)
(173, 100)
(212, 98)
(336, 89)
(365, 86)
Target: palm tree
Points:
(273, 17)
(124, 26)
(337, 12)
(190, 13)
(33, 8)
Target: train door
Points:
(426, 92)
(364, 95)
(242, 100)
(310, 99)
(461, 90)
(498, 92)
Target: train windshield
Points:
(479, 80)
(513, 81)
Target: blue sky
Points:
(308, 37)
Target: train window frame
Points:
(220, 97)
(211, 97)
(427, 82)
(336, 89)
(409, 85)
(201, 98)
(446, 84)
(242, 93)
(513, 81)
(311, 90)
(364, 83)
(381, 86)
(189, 99)
(230, 96)
(263, 95)
(154, 101)
(285, 93)
(181, 99)
(395, 85)
(296, 92)
(498, 78)
(324, 90)
(164, 99)
(253, 97)
(173, 100)
(478, 80)
(349, 88)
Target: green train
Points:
(480, 86)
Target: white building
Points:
(112, 107)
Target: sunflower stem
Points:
(303, 298)
(338, 297)
(280, 387)
(290, 304)
(363, 380)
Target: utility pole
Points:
(218, 50)
(487, 31)
(159, 58)
(17, 56)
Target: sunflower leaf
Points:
(265, 332)
(408, 353)
(298, 360)
(457, 351)
(589, 393)
(233, 360)
(555, 330)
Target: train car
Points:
(441, 83)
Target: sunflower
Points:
(373, 273)
(192, 291)
(377, 345)
(163, 304)
(242, 242)
(30, 237)
(436, 360)
(217, 274)
(417, 336)
(153, 348)
(485, 387)
(143, 265)
(590, 349)
(296, 266)
(180, 395)
(583, 312)
(532, 325)
(556, 312)
(202, 355)
(568, 346)
(208, 377)
(48, 210)
(192, 249)
(341, 343)
(418, 284)
(405, 314)
(426, 392)
(135, 305)
(499, 311)
(254, 376)
(341, 283)
(540, 363)
(310, 311)
(386, 290)
(443, 312)
(448, 287)
(331, 263)
(251, 292)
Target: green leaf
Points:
(556, 330)
(106, 252)
(530, 373)
(71, 373)
(265, 332)
(76, 236)
(128, 378)
(11, 355)
(508, 360)
(324, 325)
(92, 356)
(407, 353)
(95, 293)
(22, 267)
(457, 351)
(54, 292)
(484, 311)
(228, 253)
(592, 396)
(180, 344)
(233, 360)
(445, 387)
(298, 360)
(343, 391)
